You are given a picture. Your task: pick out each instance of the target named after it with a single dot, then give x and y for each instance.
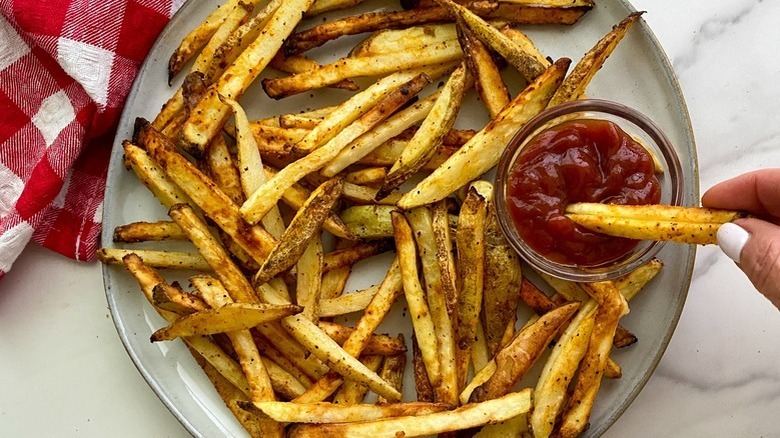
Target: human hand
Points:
(753, 243)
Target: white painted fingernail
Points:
(731, 239)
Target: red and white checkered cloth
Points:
(66, 67)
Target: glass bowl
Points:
(635, 124)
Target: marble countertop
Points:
(64, 371)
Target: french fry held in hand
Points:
(694, 225)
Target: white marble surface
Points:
(63, 371)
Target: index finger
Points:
(756, 192)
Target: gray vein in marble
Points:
(711, 29)
(715, 385)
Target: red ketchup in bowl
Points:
(581, 160)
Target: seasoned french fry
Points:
(692, 225)
(207, 118)
(175, 300)
(415, 297)
(309, 278)
(351, 302)
(349, 256)
(154, 258)
(369, 175)
(378, 345)
(514, 360)
(531, 14)
(321, 6)
(464, 417)
(423, 145)
(445, 258)
(327, 350)
(369, 221)
(148, 232)
(392, 371)
(153, 177)
(325, 413)
(422, 385)
(270, 192)
(484, 150)
(575, 83)
(487, 76)
(307, 221)
(301, 64)
(352, 392)
(630, 284)
(218, 164)
(397, 40)
(227, 318)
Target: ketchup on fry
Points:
(583, 160)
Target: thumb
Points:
(755, 246)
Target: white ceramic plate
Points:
(638, 74)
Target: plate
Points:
(638, 74)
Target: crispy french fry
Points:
(386, 153)
(527, 65)
(307, 221)
(422, 385)
(483, 151)
(366, 176)
(514, 360)
(301, 64)
(207, 118)
(415, 297)
(423, 144)
(464, 417)
(692, 225)
(218, 164)
(575, 83)
(470, 241)
(175, 300)
(351, 302)
(325, 413)
(154, 258)
(369, 221)
(352, 392)
(487, 76)
(531, 14)
(630, 284)
(148, 232)
(445, 258)
(377, 345)
(309, 278)
(227, 318)
(349, 256)
(327, 350)
(392, 371)
(397, 40)
(321, 6)
(153, 177)
(397, 93)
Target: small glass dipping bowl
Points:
(635, 124)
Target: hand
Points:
(753, 243)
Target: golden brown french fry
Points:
(309, 278)
(154, 258)
(470, 241)
(321, 6)
(577, 81)
(431, 133)
(692, 225)
(386, 153)
(220, 166)
(445, 258)
(352, 392)
(369, 221)
(173, 299)
(227, 318)
(347, 303)
(219, 207)
(353, 67)
(514, 360)
(612, 306)
(307, 221)
(483, 151)
(367, 195)
(397, 40)
(340, 361)
(148, 232)
(415, 297)
(464, 417)
(325, 413)
(206, 120)
(422, 385)
(153, 177)
(377, 345)
(389, 291)
(421, 221)
(398, 93)
(531, 14)
(340, 258)
(487, 76)
(527, 65)
(366, 176)
(630, 284)
(525, 43)
(392, 371)
(301, 64)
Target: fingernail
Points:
(731, 239)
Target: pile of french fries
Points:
(279, 209)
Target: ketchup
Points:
(583, 160)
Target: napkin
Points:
(66, 67)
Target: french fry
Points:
(301, 64)
(377, 345)
(575, 83)
(470, 241)
(433, 55)
(349, 256)
(392, 371)
(153, 177)
(386, 153)
(156, 259)
(415, 297)
(207, 118)
(692, 225)
(531, 14)
(514, 360)
(219, 207)
(227, 318)
(309, 278)
(175, 300)
(220, 166)
(148, 232)
(307, 221)
(351, 302)
(369, 221)
(527, 65)
(431, 133)
(340, 361)
(630, 284)
(367, 195)
(525, 43)
(325, 413)
(263, 198)
(487, 76)
(445, 259)
(612, 306)
(397, 40)
(366, 176)
(352, 392)
(483, 151)
(422, 385)
(322, 6)
(464, 417)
